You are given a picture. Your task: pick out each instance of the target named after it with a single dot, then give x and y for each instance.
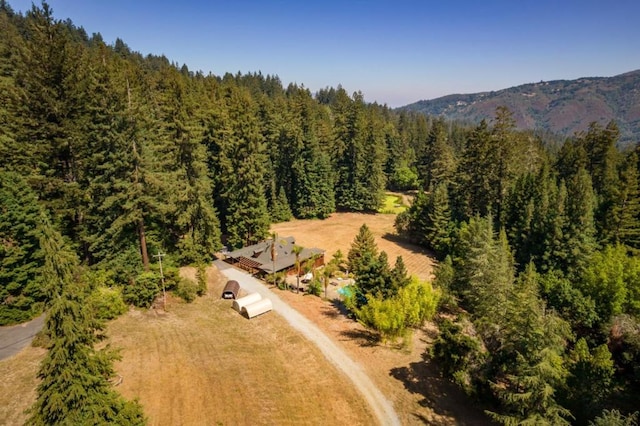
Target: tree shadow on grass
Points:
(364, 338)
(402, 242)
(339, 308)
(439, 394)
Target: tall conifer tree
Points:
(74, 387)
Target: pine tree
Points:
(579, 230)
(529, 358)
(399, 275)
(590, 379)
(124, 183)
(438, 162)
(483, 269)
(21, 293)
(359, 154)
(74, 387)
(50, 79)
(474, 180)
(11, 44)
(400, 176)
(311, 174)
(505, 150)
(279, 205)
(363, 250)
(236, 147)
(623, 219)
(438, 220)
(193, 220)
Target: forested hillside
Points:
(115, 157)
(561, 106)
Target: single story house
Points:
(257, 259)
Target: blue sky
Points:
(395, 52)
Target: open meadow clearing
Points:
(403, 374)
(338, 231)
(202, 363)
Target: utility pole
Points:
(274, 254)
(164, 292)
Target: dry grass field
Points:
(204, 364)
(18, 384)
(403, 374)
(339, 230)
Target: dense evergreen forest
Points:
(109, 157)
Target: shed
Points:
(231, 290)
(238, 304)
(257, 308)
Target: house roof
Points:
(258, 256)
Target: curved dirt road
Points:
(382, 408)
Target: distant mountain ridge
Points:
(560, 106)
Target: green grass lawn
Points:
(392, 205)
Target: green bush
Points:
(315, 287)
(404, 178)
(143, 290)
(202, 279)
(280, 280)
(107, 303)
(186, 289)
(386, 316)
(171, 277)
(392, 317)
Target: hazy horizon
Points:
(394, 53)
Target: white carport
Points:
(257, 308)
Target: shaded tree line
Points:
(539, 258)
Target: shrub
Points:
(404, 178)
(187, 290)
(171, 277)
(202, 279)
(314, 287)
(143, 290)
(414, 304)
(280, 280)
(386, 316)
(106, 303)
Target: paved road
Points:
(382, 408)
(15, 337)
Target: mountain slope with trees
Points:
(561, 106)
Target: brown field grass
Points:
(339, 230)
(18, 384)
(403, 374)
(204, 364)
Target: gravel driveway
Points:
(382, 408)
(15, 337)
